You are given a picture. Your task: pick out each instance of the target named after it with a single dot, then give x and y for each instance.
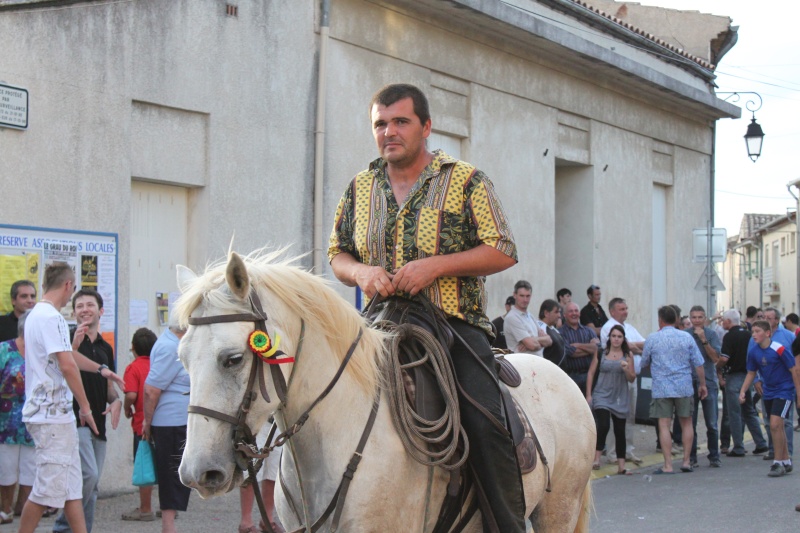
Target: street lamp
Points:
(754, 138)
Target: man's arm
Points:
(87, 365)
(114, 405)
(371, 279)
(702, 390)
(151, 397)
(72, 375)
(482, 260)
(708, 344)
(636, 347)
(531, 343)
(583, 349)
(130, 402)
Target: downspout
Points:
(711, 269)
(319, 136)
(789, 186)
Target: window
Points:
(792, 242)
(783, 245)
(766, 255)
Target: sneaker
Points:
(734, 453)
(138, 516)
(634, 459)
(769, 457)
(716, 463)
(760, 449)
(677, 447)
(788, 468)
(724, 449)
(777, 470)
(694, 464)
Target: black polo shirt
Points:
(8, 326)
(734, 345)
(95, 385)
(593, 315)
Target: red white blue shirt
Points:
(774, 363)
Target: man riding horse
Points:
(423, 222)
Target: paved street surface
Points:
(739, 497)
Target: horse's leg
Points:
(561, 511)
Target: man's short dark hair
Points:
(21, 283)
(88, 292)
(667, 315)
(143, 341)
(511, 300)
(751, 311)
(546, 307)
(56, 275)
(775, 311)
(677, 310)
(696, 309)
(763, 325)
(793, 318)
(395, 92)
(591, 289)
(563, 292)
(522, 284)
(614, 302)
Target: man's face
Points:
(522, 299)
(551, 317)
(572, 315)
(759, 315)
(770, 317)
(594, 297)
(759, 335)
(698, 319)
(620, 312)
(726, 323)
(26, 299)
(398, 132)
(564, 299)
(87, 311)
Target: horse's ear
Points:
(236, 276)
(185, 277)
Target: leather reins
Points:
(244, 442)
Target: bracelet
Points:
(84, 415)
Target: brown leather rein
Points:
(248, 456)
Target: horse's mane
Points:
(301, 292)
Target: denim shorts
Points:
(58, 464)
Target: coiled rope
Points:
(429, 442)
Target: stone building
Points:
(177, 124)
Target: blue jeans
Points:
(710, 412)
(740, 415)
(93, 454)
(787, 427)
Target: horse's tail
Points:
(587, 506)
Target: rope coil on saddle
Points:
(431, 442)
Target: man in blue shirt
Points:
(709, 345)
(166, 404)
(672, 354)
(780, 382)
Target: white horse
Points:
(390, 491)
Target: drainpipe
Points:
(789, 186)
(319, 137)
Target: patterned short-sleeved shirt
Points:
(451, 208)
(12, 395)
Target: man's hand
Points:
(108, 374)
(701, 333)
(145, 431)
(415, 276)
(129, 411)
(759, 388)
(702, 391)
(374, 279)
(80, 334)
(114, 408)
(87, 419)
(742, 397)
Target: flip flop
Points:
(687, 469)
(662, 471)
(6, 518)
(595, 466)
(624, 472)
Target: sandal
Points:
(50, 512)
(275, 527)
(595, 466)
(251, 529)
(6, 518)
(624, 472)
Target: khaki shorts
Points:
(17, 464)
(664, 407)
(58, 464)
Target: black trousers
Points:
(491, 453)
(169, 442)
(603, 418)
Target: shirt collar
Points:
(440, 159)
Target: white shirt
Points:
(519, 325)
(631, 335)
(48, 399)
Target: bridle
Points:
(247, 454)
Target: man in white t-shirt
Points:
(52, 376)
(618, 310)
(523, 334)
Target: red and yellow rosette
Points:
(261, 345)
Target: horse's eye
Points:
(234, 359)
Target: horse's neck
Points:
(328, 439)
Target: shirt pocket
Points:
(441, 232)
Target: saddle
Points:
(424, 394)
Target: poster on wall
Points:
(25, 252)
(162, 305)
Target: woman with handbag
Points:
(607, 393)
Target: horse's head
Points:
(218, 357)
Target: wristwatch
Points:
(705, 343)
(102, 367)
